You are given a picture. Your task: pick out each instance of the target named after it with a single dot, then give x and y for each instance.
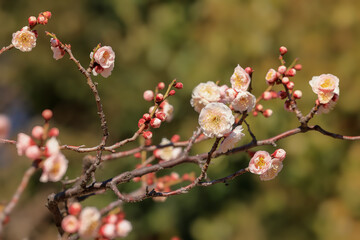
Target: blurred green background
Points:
(316, 196)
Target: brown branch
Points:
(15, 198)
(7, 141)
(4, 49)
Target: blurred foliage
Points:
(316, 196)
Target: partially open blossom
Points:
(168, 109)
(123, 228)
(52, 147)
(297, 94)
(285, 80)
(291, 72)
(70, 224)
(271, 76)
(155, 123)
(273, 171)
(58, 52)
(108, 230)
(170, 152)
(24, 40)
(105, 57)
(282, 69)
(240, 80)
(203, 94)
(279, 154)
(230, 95)
(260, 162)
(89, 222)
(33, 152)
(54, 168)
(216, 120)
(325, 86)
(244, 101)
(4, 126)
(230, 141)
(23, 142)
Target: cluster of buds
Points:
(161, 111)
(87, 223)
(43, 147)
(266, 165)
(260, 109)
(42, 19)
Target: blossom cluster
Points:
(48, 155)
(88, 223)
(265, 165)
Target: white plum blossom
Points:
(168, 109)
(52, 147)
(230, 141)
(271, 76)
(24, 40)
(260, 162)
(123, 228)
(89, 222)
(244, 101)
(216, 120)
(105, 58)
(240, 80)
(273, 171)
(325, 86)
(168, 153)
(203, 94)
(70, 224)
(230, 95)
(54, 168)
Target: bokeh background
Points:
(316, 196)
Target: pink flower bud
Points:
(111, 218)
(266, 95)
(259, 107)
(174, 176)
(273, 94)
(267, 113)
(75, 208)
(32, 21)
(47, 114)
(155, 123)
(282, 69)
(47, 14)
(108, 230)
(283, 50)
(175, 138)
(42, 19)
(33, 152)
(159, 97)
(290, 85)
(70, 224)
(279, 154)
(249, 70)
(298, 67)
(141, 122)
(147, 117)
(148, 95)
(291, 72)
(285, 80)
(161, 116)
(147, 135)
(297, 94)
(172, 92)
(54, 132)
(161, 85)
(179, 85)
(255, 113)
(37, 132)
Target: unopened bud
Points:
(282, 94)
(282, 69)
(53, 132)
(259, 107)
(41, 19)
(148, 95)
(161, 85)
(249, 70)
(47, 14)
(47, 114)
(155, 123)
(283, 50)
(291, 72)
(285, 80)
(179, 85)
(147, 117)
(297, 94)
(37, 132)
(267, 113)
(279, 153)
(32, 21)
(298, 67)
(290, 85)
(161, 116)
(172, 92)
(147, 135)
(75, 208)
(266, 95)
(175, 138)
(141, 122)
(70, 224)
(159, 97)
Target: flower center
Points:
(56, 168)
(327, 83)
(260, 162)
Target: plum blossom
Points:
(89, 222)
(244, 101)
(216, 120)
(325, 86)
(105, 58)
(271, 76)
(168, 109)
(203, 94)
(123, 228)
(240, 80)
(70, 224)
(279, 154)
(4, 126)
(24, 40)
(54, 168)
(23, 142)
(260, 162)
(230, 141)
(52, 147)
(168, 153)
(272, 172)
